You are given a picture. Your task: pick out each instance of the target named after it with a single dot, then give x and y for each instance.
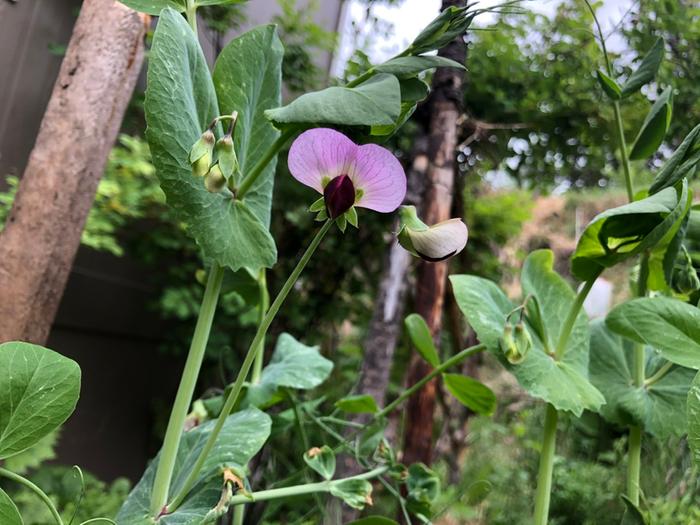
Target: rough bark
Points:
(430, 287)
(42, 232)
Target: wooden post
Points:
(445, 102)
(42, 232)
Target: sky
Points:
(410, 16)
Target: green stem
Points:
(299, 490)
(623, 151)
(455, 359)
(544, 475)
(31, 486)
(572, 316)
(191, 14)
(659, 374)
(262, 163)
(238, 514)
(359, 80)
(634, 462)
(235, 391)
(166, 464)
(264, 305)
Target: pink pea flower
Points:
(346, 174)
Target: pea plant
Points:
(637, 367)
(214, 138)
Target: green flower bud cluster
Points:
(451, 23)
(684, 278)
(215, 160)
(515, 342)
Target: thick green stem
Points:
(191, 14)
(455, 359)
(544, 475)
(238, 514)
(299, 490)
(262, 163)
(634, 462)
(262, 310)
(166, 464)
(572, 316)
(658, 375)
(234, 393)
(31, 486)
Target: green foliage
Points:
(670, 326)
(99, 499)
(694, 419)
(654, 127)
(647, 69)
(8, 510)
(242, 436)
(659, 407)
(562, 382)
(321, 460)
(40, 390)
(422, 339)
(471, 393)
(227, 230)
(358, 404)
(154, 7)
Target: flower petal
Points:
(319, 153)
(441, 240)
(380, 176)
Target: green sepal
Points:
(226, 156)
(342, 223)
(322, 215)
(351, 216)
(318, 205)
(203, 146)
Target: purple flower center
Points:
(339, 195)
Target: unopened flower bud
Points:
(214, 181)
(339, 196)
(200, 156)
(226, 156)
(523, 343)
(684, 277)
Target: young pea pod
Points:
(214, 181)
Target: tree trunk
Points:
(430, 288)
(83, 117)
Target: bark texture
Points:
(81, 122)
(445, 102)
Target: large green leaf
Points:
(471, 393)
(241, 437)
(9, 515)
(410, 66)
(564, 383)
(647, 69)
(375, 102)
(681, 164)
(413, 90)
(670, 326)
(247, 78)
(659, 408)
(154, 7)
(654, 127)
(623, 232)
(38, 391)
(694, 419)
(180, 104)
(293, 365)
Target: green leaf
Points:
(293, 365)
(670, 326)
(9, 515)
(647, 69)
(178, 77)
(219, 2)
(563, 383)
(321, 460)
(423, 487)
(154, 7)
(623, 232)
(410, 66)
(376, 101)
(41, 452)
(247, 78)
(654, 127)
(694, 419)
(421, 338)
(359, 404)
(242, 282)
(241, 437)
(369, 439)
(356, 493)
(681, 164)
(659, 408)
(471, 393)
(632, 515)
(374, 520)
(40, 389)
(609, 86)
